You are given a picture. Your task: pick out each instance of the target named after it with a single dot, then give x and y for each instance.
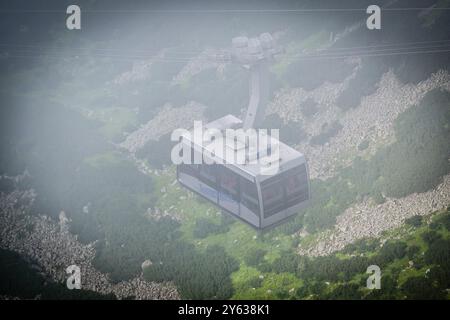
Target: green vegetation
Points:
(415, 162)
(157, 152)
(342, 275)
(255, 257)
(116, 121)
(328, 131)
(309, 108)
(414, 221)
(306, 73)
(60, 118)
(291, 132)
(204, 227)
(419, 157)
(363, 84)
(204, 276)
(269, 269)
(73, 169)
(363, 145)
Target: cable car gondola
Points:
(243, 190)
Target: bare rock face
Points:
(168, 119)
(368, 220)
(196, 65)
(373, 120)
(140, 71)
(54, 250)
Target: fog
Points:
(87, 115)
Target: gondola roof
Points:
(251, 170)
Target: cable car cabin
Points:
(241, 190)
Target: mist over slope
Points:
(86, 176)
